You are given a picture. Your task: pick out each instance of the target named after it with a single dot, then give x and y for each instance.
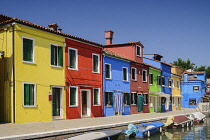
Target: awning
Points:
(160, 94)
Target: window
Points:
(145, 98)
(96, 98)
(133, 74)
(179, 100)
(73, 59)
(133, 98)
(195, 88)
(173, 101)
(138, 51)
(144, 76)
(56, 55)
(29, 94)
(28, 50)
(178, 84)
(95, 63)
(126, 99)
(73, 96)
(161, 80)
(151, 79)
(108, 99)
(108, 71)
(192, 101)
(125, 74)
(170, 82)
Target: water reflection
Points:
(196, 132)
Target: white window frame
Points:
(126, 74)
(76, 52)
(137, 46)
(144, 75)
(110, 71)
(151, 79)
(147, 98)
(33, 62)
(98, 63)
(57, 58)
(99, 99)
(35, 105)
(76, 96)
(170, 80)
(135, 74)
(134, 97)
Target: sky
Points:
(172, 28)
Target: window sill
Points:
(134, 80)
(27, 106)
(56, 66)
(96, 105)
(144, 81)
(96, 72)
(73, 69)
(125, 80)
(108, 78)
(73, 106)
(27, 62)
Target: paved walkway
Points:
(58, 127)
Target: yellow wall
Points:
(6, 74)
(40, 73)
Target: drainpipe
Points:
(13, 70)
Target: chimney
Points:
(60, 30)
(109, 37)
(185, 77)
(53, 26)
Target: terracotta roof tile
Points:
(158, 61)
(120, 44)
(111, 53)
(195, 72)
(190, 78)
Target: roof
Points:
(159, 61)
(111, 53)
(196, 72)
(4, 20)
(121, 44)
(176, 74)
(190, 78)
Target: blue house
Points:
(193, 88)
(164, 80)
(116, 84)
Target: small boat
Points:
(143, 130)
(178, 121)
(197, 116)
(111, 134)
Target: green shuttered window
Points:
(56, 55)
(28, 50)
(96, 96)
(73, 96)
(29, 94)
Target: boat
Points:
(111, 134)
(143, 130)
(197, 116)
(179, 121)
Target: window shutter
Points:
(96, 97)
(60, 56)
(95, 63)
(72, 96)
(30, 50)
(72, 61)
(31, 99)
(26, 94)
(52, 55)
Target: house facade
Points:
(116, 84)
(83, 78)
(33, 72)
(193, 86)
(154, 89)
(139, 84)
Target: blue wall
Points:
(116, 82)
(152, 62)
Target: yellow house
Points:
(176, 89)
(32, 74)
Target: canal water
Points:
(197, 132)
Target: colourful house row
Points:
(46, 74)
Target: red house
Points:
(139, 81)
(83, 60)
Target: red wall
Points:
(83, 77)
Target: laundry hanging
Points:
(118, 102)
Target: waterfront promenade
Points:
(59, 127)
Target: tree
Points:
(184, 64)
(204, 68)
